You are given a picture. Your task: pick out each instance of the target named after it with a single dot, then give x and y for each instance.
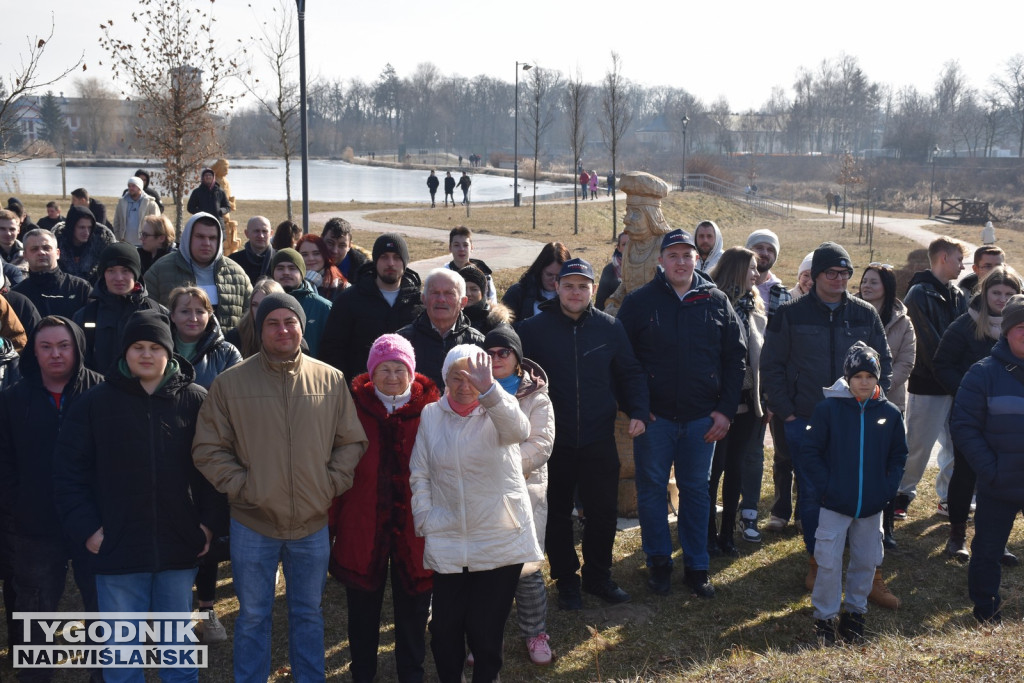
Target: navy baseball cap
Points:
(677, 237)
(577, 266)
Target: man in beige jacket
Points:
(279, 435)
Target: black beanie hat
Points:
(288, 254)
(861, 358)
(393, 242)
(272, 302)
(476, 276)
(503, 336)
(829, 255)
(151, 326)
(121, 254)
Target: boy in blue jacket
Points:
(856, 451)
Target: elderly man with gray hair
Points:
(442, 325)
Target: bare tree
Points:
(24, 80)
(96, 111)
(539, 117)
(277, 45)
(176, 72)
(576, 96)
(617, 117)
(1011, 91)
(849, 174)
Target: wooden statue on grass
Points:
(231, 241)
(646, 226)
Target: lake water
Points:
(334, 181)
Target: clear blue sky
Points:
(738, 49)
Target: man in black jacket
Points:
(589, 361)
(442, 325)
(687, 338)
(432, 182)
(337, 237)
(933, 302)
(31, 412)
(384, 299)
(208, 197)
(255, 257)
(449, 188)
(52, 291)
(804, 349)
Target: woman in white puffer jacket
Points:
(470, 503)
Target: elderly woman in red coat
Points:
(373, 522)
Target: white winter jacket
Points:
(469, 497)
(535, 451)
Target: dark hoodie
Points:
(124, 464)
(30, 418)
(103, 320)
(82, 260)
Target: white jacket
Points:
(535, 451)
(469, 497)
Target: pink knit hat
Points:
(391, 347)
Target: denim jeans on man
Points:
(808, 503)
(664, 444)
(254, 560)
(167, 591)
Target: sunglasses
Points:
(499, 353)
(883, 266)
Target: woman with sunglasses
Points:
(878, 288)
(527, 381)
(968, 340)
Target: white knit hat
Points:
(456, 354)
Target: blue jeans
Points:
(808, 503)
(254, 559)
(664, 444)
(167, 591)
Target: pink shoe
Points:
(540, 652)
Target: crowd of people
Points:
(166, 408)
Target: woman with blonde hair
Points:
(736, 274)
(968, 340)
(157, 235)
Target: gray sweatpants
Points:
(866, 553)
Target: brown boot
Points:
(880, 594)
(812, 573)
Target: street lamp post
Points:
(515, 144)
(302, 114)
(682, 182)
(931, 193)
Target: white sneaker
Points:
(212, 630)
(750, 534)
(540, 651)
(943, 508)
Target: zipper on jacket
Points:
(831, 344)
(508, 507)
(576, 360)
(860, 473)
(153, 478)
(288, 432)
(462, 515)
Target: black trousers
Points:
(961, 489)
(593, 471)
(728, 461)
(782, 471)
(993, 521)
(40, 573)
(411, 612)
(471, 607)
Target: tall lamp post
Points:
(931, 193)
(682, 182)
(302, 114)
(515, 144)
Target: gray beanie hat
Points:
(764, 236)
(272, 302)
(1013, 313)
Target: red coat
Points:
(373, 519)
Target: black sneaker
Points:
(825, 631)
(851, 627)
(608, 591)
(659, 576)
(569, 599)
(700, 586)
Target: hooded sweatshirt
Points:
(82, 260)
(30, 418)
(706, 264)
